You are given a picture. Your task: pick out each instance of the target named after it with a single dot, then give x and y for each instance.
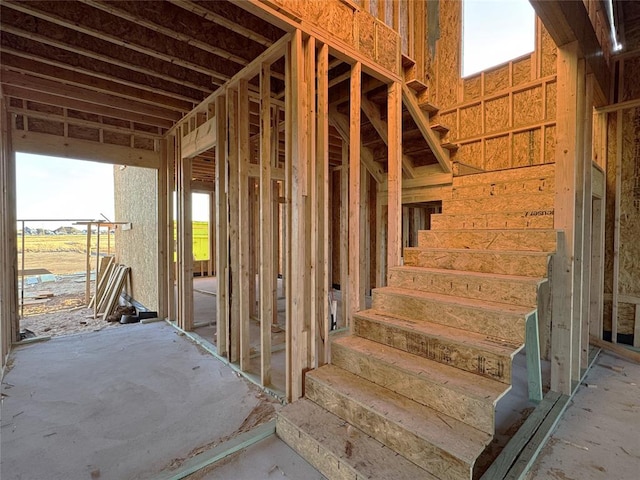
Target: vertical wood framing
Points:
(170, 226)
(232, 158)
(290, 78)
(356, 299)
(321, 205)
(394, 182)
(162, 227)
(596, 310)
(185, 254)
(222, 245)
(266, 226)
(344, 234)
(241, 296)
(87, 283)
(310, 330)
(211, 267)
(564, 220)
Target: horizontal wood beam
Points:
(568, 21)
(31, 82)
(60, 74)
(50, 55)
(192, 29)
(199, 140)
(95, 48)
(221, 13)
(56, 146)
(101, 26)
(83, 106)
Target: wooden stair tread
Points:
(505, 175)
(459, 301)
(541, 240)
(540, 219)
(494, 345)
(339, 450)
(464, 382)
(500, 203)
(488, 252)
(480, 275)
(448, 434)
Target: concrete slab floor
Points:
(598, 437)
(118, 404)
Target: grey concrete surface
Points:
(117, 404)
(598, 437)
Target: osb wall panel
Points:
(83, 133)
(135, 192)
(45, 126)
(517, 98)
(610, 202)
(631, 83)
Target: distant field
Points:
(60, 254)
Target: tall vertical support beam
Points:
(562, 355)
(356, 299)
(87, 283)
(266, 226)
(243, 295)
(310, 330)
(293, 50)
(9, 320)
(162, 226)
(394, 176)
(344, 233)
(185, 254)
(616, 229)
(587, 220)
(211, 267)
(170, 231)
(320, 204)
(234, 227)
(222, 216)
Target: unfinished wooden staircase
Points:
(412, 392)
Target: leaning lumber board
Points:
(616, 349)
(488, 318)
(513, 240)
(458, 394)
(486, 356)
(528, 264)
(116, 290)
(443, 446)
(512, 289)
(338, 450)
(107, 288)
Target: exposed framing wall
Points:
(622, 273)
(503, 117)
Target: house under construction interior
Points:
(387, 234)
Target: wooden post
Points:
(222, 245)
(308, 164)
(162, 227)
(211, 267)
(356, 300)
(185, 254)
(320, 203)
(266, 226)
(564, 219)
(170, 286)
(394, 182)
(241, 296)
(344, 233)
(616, 231)
(232, 165)
(87, 287)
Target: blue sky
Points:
(49, 187)
(495, 31)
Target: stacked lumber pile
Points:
(412, 392)
(111, 280)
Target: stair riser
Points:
(472, 411)
(470, 261)
(533, 241)
(464, 357)
(490, 289)
(314, 452)
(509, 326)
(509, 220)
(421, 452)
(499, 204)
(513, 175)
(517, 187)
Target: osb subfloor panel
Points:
(598, 437)
(126, 403)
